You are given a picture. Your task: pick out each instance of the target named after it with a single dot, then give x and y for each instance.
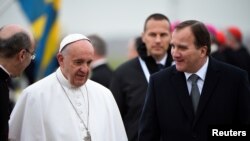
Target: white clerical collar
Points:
(62, 79)
(201, 72)
(163, 60)
(4, 70)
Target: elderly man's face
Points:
(75, 62)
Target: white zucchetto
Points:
(70, 39)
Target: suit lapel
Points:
(169, 60)
(211, 79)
(179, 82)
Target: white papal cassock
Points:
(44, 113)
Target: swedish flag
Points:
(43, 16)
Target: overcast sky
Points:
(122, 18)
(118, 21)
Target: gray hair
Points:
(12, 45)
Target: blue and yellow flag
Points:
(43, 16)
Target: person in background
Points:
(212, 32)
(101, 72)
(197, 93)
(17, 47)
(153, 56)
(66, 105)
(236, 53)
(220, 40)
(132, 48)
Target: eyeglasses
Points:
(33, 55)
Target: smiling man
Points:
(66, 105)
(198, 92)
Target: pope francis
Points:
(66, 105)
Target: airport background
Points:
(120, 21)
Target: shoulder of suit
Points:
(222, 66)
(169, 71)
(130, 64)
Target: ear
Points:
(21, 55)
(203, 51)
(60, 58)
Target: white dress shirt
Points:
(201, 73)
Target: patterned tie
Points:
(195, 93)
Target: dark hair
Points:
(12, 45)
(156, 16)
(98, 44)
(200, 32)
(138, 42)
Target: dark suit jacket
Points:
(102, 74)
(239, 58)
(168, 113)
(129, 86)
(4, 105)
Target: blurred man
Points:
(66, 105)
(237, 53)
(196, 93)
(132, 47)
(101, 72)
(130, 80)
(16, 52)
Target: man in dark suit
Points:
(130, 80)
(236, 52)
(16, 52)
(101, 72)
(177, 109)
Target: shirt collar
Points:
(201, 72)
(98, 63)
(163, 60)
